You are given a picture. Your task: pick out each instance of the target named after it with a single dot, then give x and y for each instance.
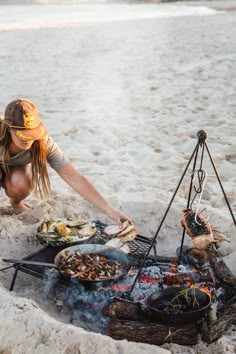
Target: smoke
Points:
(83, 302)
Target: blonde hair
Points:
(38, 152)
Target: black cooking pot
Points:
(198, 301)
(109, 252)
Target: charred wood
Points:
(152, 333)
(222, 274)
(129, 321)
(214, 330)
(123, 309)
(221, 271)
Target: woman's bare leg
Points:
(18, 185)
(1, 177)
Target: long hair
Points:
(5, 139)
(38, 152)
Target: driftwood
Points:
(152, 333)
(129, 320)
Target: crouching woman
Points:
(26, 149)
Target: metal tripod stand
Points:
(201, 144)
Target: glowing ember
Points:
(117, 287)
(205, 288)
(148, 279)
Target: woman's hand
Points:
(118, 216)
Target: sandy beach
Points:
(124, 99)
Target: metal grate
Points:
(138, 248)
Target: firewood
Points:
(153, 333)
(214, 330)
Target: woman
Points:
(25, 150)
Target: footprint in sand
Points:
(6, 211)
(32, 216)
(231, 157)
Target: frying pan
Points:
(153, 303)
(109, 252)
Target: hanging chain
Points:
(202, 177)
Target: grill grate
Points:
(138, 248)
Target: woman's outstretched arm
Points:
(86, 189)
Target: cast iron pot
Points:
(153, 303)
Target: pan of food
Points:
(87, 263)
(179, 304)
(62, 232)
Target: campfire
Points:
(176, 300)
(187, 298)
(142, 295)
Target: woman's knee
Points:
(19, 181)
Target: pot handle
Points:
(22, 261)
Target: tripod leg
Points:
(221, 186)
(163, 219)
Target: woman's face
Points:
(20, 143)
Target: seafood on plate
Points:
(66, 230)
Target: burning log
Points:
(124, 310)
(226, 313)
(221, 271)
(129, 321)
(152, 333)
(211, 331)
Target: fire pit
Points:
(108, 307)
(160, 299)
(87, 305)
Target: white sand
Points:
(125, 101)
